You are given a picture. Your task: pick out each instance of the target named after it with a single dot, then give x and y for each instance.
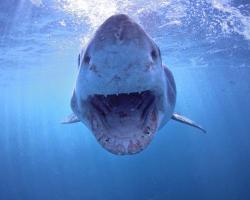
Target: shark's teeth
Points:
(117, 93)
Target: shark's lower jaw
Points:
(123, 123)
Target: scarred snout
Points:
(120, 29)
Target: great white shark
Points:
(123, 92)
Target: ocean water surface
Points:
(205, 43)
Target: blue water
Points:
(206, 44)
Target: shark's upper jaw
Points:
(123, 123)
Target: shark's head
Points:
(121, 88)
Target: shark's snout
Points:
(119, 24)
(120, 30)
(116, 28)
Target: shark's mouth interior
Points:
(123, 123)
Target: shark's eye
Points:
(86, 59)
(154, 54)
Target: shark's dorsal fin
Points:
(187, 121)
(70, 119)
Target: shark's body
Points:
(123, 92)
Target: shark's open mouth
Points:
(123, 123)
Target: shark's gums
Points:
(123, 92)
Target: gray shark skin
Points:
(123, 92)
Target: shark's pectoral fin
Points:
(70, 119)
(187, 121)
